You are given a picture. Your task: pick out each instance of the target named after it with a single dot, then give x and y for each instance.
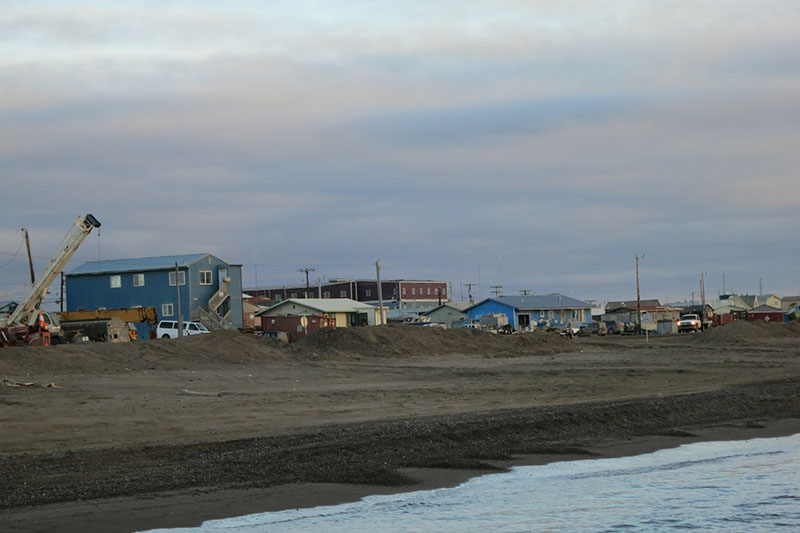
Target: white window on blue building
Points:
(181, 277)
(368, 292)
(206, 277)
(138, 280)
(115, 281)
(326, 294)
(167, 310)
(343, 294)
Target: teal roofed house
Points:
(529, 312)
(210, 289)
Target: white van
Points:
(168, 329)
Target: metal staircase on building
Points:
(217, 315)
(210, 319)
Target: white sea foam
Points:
(719, 486)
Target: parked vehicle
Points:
(690, 323)
(434, 325)
(168, 329)
(614, 327)
(594, 328)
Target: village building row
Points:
(204, 288)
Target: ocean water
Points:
(751, 485)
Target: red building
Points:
(766, 313)
(293, 325)
(361, 290)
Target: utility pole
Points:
(380, 289)
(178, 289)
(469, 290)
(760, 287)
(306, 270)
(496, 289)
(723, 283)
(30, 258)
(61, 300)
(703, 293)
(638, 298)
(255, 263)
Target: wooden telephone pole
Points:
(308, 287)
(469, 290)
(380, 289)
(30, 258)
(638, 299)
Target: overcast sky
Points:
(531, 144)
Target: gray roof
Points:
(631, 304)
(136, 264)
(766, 309)
(325, 305)
(458, 306)
(545, 301)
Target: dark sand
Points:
(172, 433)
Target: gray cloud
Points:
(542, 149)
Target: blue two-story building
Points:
(210, 289)
(529, 312)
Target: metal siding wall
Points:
(493, 308)
(201, 294)
(94, 291)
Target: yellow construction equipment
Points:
(134, 314)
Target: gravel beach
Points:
(124, 437)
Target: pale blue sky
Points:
(544, 143)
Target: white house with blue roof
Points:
(210, 288)
(528, 312)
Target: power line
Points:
(15, 254)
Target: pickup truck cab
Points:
(690, 323)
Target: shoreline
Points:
(437, 452)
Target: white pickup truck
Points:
(690, 323)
